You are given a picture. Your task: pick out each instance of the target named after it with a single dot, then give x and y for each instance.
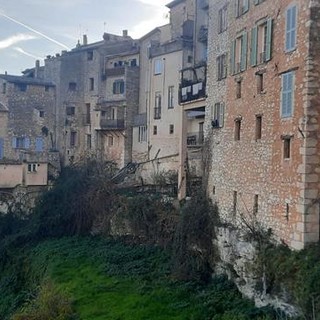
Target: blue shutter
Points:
(269, 40)
(244, 44)
(14, 142)
(254, 46)
(291, 26)
(27, 142)
(1, 148)
(39, 144)
(287, 94)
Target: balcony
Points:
(117, 71)
(140, 120)
(191, 91)
(195, 139)
(116, 124)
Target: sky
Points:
(33, 29)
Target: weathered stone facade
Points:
(264, 163)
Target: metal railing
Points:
(116, 124)
(195, 138)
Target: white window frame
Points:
(158, 66)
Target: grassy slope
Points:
(110, 280)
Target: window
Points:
(4, 88)
(242, 6)
(238, 89)
(238, 59)
(1, 148)
(171, 129)
(32, 167)
(287, 94)
(235, 202)
(39, 144)
(157, 107)
(155, 130)
(255, 204)
(237, 129)
(113, 113)
(70, 110)
(291, 28)
(218, 115)
(222, 67)
(89, 141)
(90, 55)
(21, 87)
(73, 138)
(21, 142)
(286, 147)
(91, 84)
(110, 141)
(88, 117)
(72, 86)
(261, 43)
(260, 82)
(222, 19)
(118, 87)
(133, 63)
(158, 66)
(170, 97)
(46, 88)
(142, 134)
(258, 127)
(41, 113)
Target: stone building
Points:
(262, 115)
(169, 54)
(89, 110)
(27, 133)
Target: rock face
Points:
(237, 260)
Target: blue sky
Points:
(32, 29)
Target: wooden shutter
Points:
(254, 46)
(232, 57)
(243, 64)
(269, 40)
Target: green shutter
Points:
(243, 65)
(269, 40)
(254, 47)
(232, 57)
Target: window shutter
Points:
(122, 87)
(27, 142)
(254, 47)
(236, 12)
(221, 119)
(243, 65)
(269, 40)
(14, 142)
(232, 57)
(1, 148)
(290, 93)
(290, 24)
(245, 6)
(114, 88)
(39, 144)
(293, 27)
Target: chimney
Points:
(36, 70)
(124, 33)
(85, 39)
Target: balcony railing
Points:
(195, 139)
(190, 91)
(115, 124)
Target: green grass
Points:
(110, 280)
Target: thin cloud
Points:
(28, 54)
(34, 30)
(8, 42)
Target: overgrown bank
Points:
(162, 271)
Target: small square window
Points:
(155, 130)
(238, 89)
(237, 130)
(258, 127)
(70, 111)
(90, 55)
(255, 204)
(171, 129)
(41, 114)
(72, 86)
(91, 84)
(286, 147)
(260, 83)
(47, 88)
